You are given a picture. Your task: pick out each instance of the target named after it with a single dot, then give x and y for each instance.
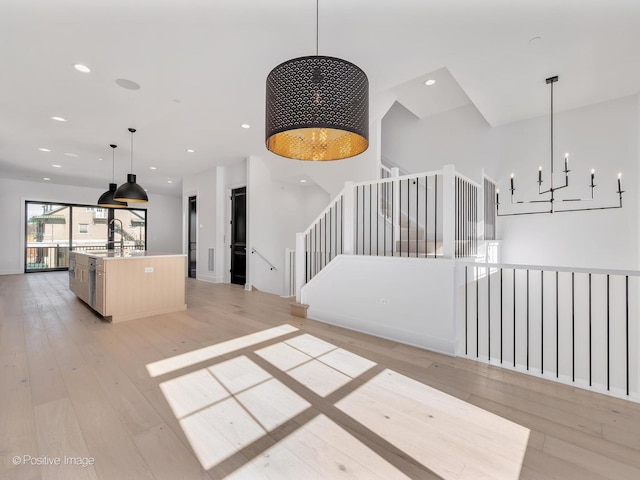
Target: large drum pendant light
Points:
(317, 108)
(106, 199)
(131, 191)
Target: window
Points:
(83, 228)
(100, 213)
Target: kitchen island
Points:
(124, 286)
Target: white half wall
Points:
(410, 300)
(164, 232)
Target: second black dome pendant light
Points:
(131, 191)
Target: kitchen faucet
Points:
(112, 226)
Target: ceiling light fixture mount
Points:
(317, 108)
(106, 199)
(550, 193)
(131, 191)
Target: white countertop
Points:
(113, 254)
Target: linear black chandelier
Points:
(317, 108)
(551, 199)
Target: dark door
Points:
(239, 236)
(193, 228)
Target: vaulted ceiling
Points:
(201, 66)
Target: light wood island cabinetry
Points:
(125, 287)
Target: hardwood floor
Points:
(159, 397)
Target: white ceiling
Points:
(202, 66)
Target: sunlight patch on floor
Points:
(318, 365)
(167, 365)
(225, 407)
(318, 449)
(453, 438)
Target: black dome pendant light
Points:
(317, 108)
(106, 199)
(131, 191)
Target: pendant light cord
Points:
(131, 151)
(113, 163)
(132, 130)
(317, 28)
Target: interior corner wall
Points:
(277, 210)
(603, 136)
(163, 229)
(203, 187)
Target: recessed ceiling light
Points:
(55, 165)
(245, 125)
(430, 82)
(69, 154)
(190, 150)
(99, 159)
(59, 119)
(128, 84)
(152, 168)
(46, 178)
(169, 181)
(303, 181)
(82, 68)
(44, 149)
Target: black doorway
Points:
(193, 229)
(239, 235)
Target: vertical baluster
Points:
(475, 271)
(377, 218)
(542, 322)
(363, 221)
(608, 324)
(514, 317)
(557, 329)
(415, 182)
(627, 328)
(457, 208)
(501, 315)
(330, 232)
(341, 225)
(466, 311)
(408, 219)
(357, 218)
(400, 213)
(435, 219)
(426, 214)
(573, 327)
(527, 319)
(325, 240)
(393, 225)
(307, 258)
(590, 329)
(488, 270)
(370, 219)
(385, 201)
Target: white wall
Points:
(416, 308)
(163, 229)
(276, 212)
(603, 136)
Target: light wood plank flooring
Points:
(309, 403)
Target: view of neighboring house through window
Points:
(52, 229)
